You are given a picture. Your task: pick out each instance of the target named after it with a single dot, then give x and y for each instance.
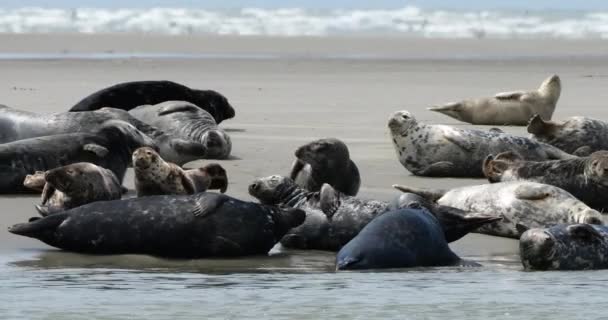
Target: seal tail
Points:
(41, 229)
(431, 195)
(456, 224)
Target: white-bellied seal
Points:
(110, 147)
(565, 247)
(402, 238)
(128, 95)
(507, 108)
(445, 151)
(585, 178)
(18, 125)
(333, 219)
(154, 176)
(75, 185)
(577, 135)
(524, 203)
(187, 121)
(202, 225)
(325, 161)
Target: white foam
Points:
(410, 21)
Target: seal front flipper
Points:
(585, 232)
(208, 205)
(182, 107)
(431, 195)
(437, 169)
(296, 241)
(583, 151)
(96, 149)
(458, 140)
(188, 147)
(296, 167)
(226, 247)
(511, 95)
(529, 192)
(329, 200)
(43, 210)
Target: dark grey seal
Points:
(585, 178)
(325, 161)
(17, 125)
(110, 147)
(128, 95)
(577, 135)
(565, 247)
(187, 121)
(185, 226)
(404, 238)
(445, 151)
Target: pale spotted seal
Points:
(577, 135)
(445, 151)
(507, 108)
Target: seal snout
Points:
(143, 157)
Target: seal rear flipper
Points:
(184, 107)
(531, 192)
(457, 223)
(123, 190)
(100, 151)
(219, 179)
(583, 151)
(329, 200)
(431, 195)
(585, 232)
(39, 228)
(437, 169)
(537, 126)
(521, 228)
(346, 263)
(35, 181)
(494, 169)
(447, 108)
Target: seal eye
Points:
(405, 116)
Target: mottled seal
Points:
(577, 135)
(445, 151)
(75, 185)
(507, 108)
(187, 121)
(18, 125)
(185, 226)
(565, 247)
(110, 147)
(325, 161)
(333, 219)
(154, 176)
(402, 238)
(128, 95)
(524, 203)
(585, 178)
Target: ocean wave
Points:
(409, 21)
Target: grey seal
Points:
(585, 178)
(154, 176)
(519, 203)
(565, 247)
(445, 151)
(577, 135)
(404, 238)
(128, 95)
(183, 226)
(325, 161)
(187, 121)
(507, 108)
(109, 147)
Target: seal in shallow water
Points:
(577, 135)
(507, 108)
(325, 161)
(154, 176)
(445, 151)
(128, 95)
(185, 226)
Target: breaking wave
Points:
(409, 21)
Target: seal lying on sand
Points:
(565, 247)
(445, 151)
(110, 147)
(75, 185)
(346, 215)
(524, 203)
(187, 121)
(585, 178)
(185, 226)
(18, 125)
(577, 135)
(128, 95)
(403, 238)
(154, 176)
(507, 108)
(325, 161)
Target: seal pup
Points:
(181, 226)
(445, 151)
(565, 247)
(187, 121)
(75, 185)
(154, 176)
(325, 161)
(585, 178)
(110, 147)
(577, 135)
(128, 95)
(524, 203)
(403, 238)
(18, 125)
(507, 108)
